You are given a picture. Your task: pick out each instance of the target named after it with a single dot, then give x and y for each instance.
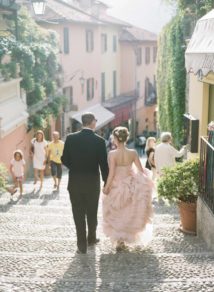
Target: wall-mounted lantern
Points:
(38, 7)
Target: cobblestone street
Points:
(38, 251)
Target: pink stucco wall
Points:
(128, 68)
(131, 73)
(78, 61)
(18, 139)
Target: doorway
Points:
(211, 104)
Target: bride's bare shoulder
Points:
(132, 151)
(112, 152)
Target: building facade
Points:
(99, 67)
(200, 66)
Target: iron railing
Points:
(207, 173)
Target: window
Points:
(66, 40)
(150, 93)
(146, 90)
(103, 87)
(114, 43)
(68, 93)
(90, 88)
(114, 83)
(147, 55)
(89, 41)
(139, 56)
(138, 89)
(103, 42)
(154, 54)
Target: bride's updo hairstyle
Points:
(121, 133)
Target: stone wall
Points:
(205, 223)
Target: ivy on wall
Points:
(171, 73)
(171, 79)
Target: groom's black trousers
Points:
(84, 195)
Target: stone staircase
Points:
(38, 244)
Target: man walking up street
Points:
(84, 153)
(55, 150)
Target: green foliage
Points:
(171, 79)
(36, 52)
(194, 7)
(180, 182)
(171, 73)
(3, 176)
(192, 10)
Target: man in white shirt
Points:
(165, 153)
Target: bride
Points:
(127, 204)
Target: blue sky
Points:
(148, 14)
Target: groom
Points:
(84, 153)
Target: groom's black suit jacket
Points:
(84, 153)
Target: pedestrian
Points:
(142, 143)
(84, 153)
(39, 153)
(17, 171)
(55, 150)
(127, 204)
(150, 151)
(165, 153)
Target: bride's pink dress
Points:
(127, 209)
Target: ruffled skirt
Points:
(127, 209)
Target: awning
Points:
(199, 56)
(102, 115)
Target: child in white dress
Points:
(17, 169)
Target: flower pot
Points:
(188, 217)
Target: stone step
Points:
(60, 216)
(63, 285)
(59, 201)
(58, 245)
(108, 271)
(26, 229)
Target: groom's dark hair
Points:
(87, 119)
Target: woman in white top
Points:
(39, 154)
(165, 153)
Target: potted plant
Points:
(181, 184)
(3, 177)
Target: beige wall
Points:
(198, 102)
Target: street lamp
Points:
(38, 7)
(81, 79)
(82, 82)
